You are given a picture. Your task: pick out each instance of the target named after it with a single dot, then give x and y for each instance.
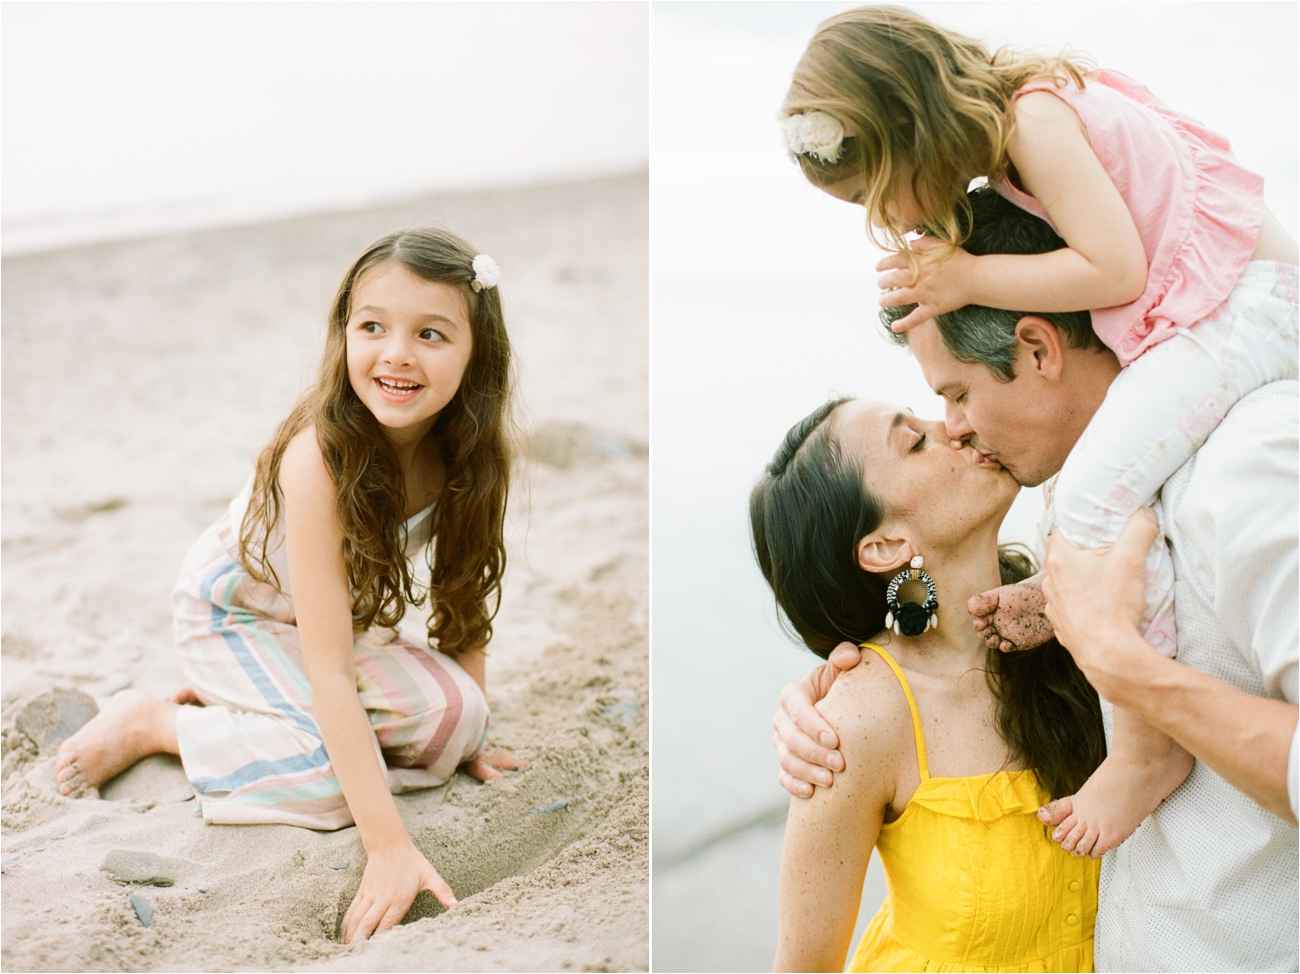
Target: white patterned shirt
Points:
(1209, 881)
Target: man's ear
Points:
(1041, 349)
(879, 554)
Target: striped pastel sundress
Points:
(253, 753)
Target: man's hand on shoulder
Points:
(806, 744)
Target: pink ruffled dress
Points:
(1197, 210)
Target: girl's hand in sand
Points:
(393, 878)
(941, 283)
(485, 764)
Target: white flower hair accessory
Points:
(486, 272)
(814, 133)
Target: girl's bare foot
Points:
(1135, 778)
(1011, 618)
(131, 726)
(484, 764)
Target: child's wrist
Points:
(387, 842)
(972, 276)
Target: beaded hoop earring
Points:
(912, 618)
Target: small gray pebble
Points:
(202, 890)
(558, 805)
(61, 830)
(142, 868)
(341, 865)
(625, 712)
(142, 909)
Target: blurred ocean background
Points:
(764, 304)
(132, 119)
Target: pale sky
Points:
(175, 114)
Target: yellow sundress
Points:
(975, 883)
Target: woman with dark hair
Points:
(871, 529)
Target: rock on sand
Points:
(140, 868)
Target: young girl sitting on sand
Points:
(1165, 233)
(306, 706)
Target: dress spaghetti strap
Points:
(922, 763)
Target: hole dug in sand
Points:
(485, 833)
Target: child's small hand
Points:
(393, 878)
(484, 764)
(941, 284)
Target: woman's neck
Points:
(958, 574)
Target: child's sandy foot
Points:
(484, 764)
(1011, 617)
(131, 726)
(1113, 803)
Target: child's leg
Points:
(254, 754)
(1160, 410)
(1143, 767)
(428, 714)
(259, 768)
(269, 764)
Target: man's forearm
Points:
(1245, 739)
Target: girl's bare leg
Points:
(131, 726)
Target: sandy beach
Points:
(140, 379)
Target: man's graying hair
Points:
(987, 336)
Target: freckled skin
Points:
(1011, 618)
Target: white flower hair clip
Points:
(813, 133)
(486, 273)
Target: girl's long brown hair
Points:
(467, 558)
(917, 96)
(807, 514)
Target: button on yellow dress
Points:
(975, 883)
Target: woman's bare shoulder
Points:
(868, 709)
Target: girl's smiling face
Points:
(409, 341)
